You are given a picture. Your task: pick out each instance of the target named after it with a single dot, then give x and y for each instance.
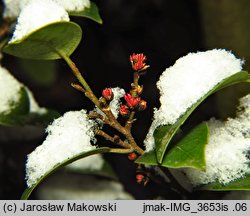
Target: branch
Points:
(115, 139)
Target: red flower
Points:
(138, 62)
(124, 110)
(132, 156)
(108, 94)
(140, 178)
(132, 102)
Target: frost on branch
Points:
(116, 101)
(9, 91)
(227, 152)
(68, 136)
(38, 13)
(184, 83)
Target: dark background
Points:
(163, 30)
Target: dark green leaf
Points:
(164, 134)
(19, 109)
(39, 72)
(105, 171)
(91, 13)
(190, 151)
(40, 119)
(47, 42)
(148, 158)
(29, 190)
(239, 184)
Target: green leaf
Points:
(39, 72)
(239, 184)
(164, 134)
(40, 119)
(29, 190)
(91, 13)
(188, 152)
(19, 109)
(47, 42)
(105, 171)
(148, 158)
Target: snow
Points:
(36, 14)
(115, 103)
(189, 79)
(34, 106)
(227, 150)
(13, 7)
(74, 5)
(68, 136)
(72, 187)
(9, 91)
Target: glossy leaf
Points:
(15, 115)
(148, 158)
(164, 134)
(47, 42)
(105, 171)
(188, 152)
(29, 190)
(92, 13)
(239, 184)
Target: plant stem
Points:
(136, 79)
(120, 151)
(4, 28)
(115, 139)
(134, 93)
(75, 71)
(130, 121)
(112, 121)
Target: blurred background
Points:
(163, 30)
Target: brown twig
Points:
(112, 121)
(134, 93)
(4, 28)
(115, 139)
(78, 87)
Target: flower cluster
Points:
(138, 62)
(132, 99)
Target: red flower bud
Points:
(132, 156)
(124, 110)
(140, 178)
(137, 61)
(132, 102)
(108, 94)
(142, 105)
